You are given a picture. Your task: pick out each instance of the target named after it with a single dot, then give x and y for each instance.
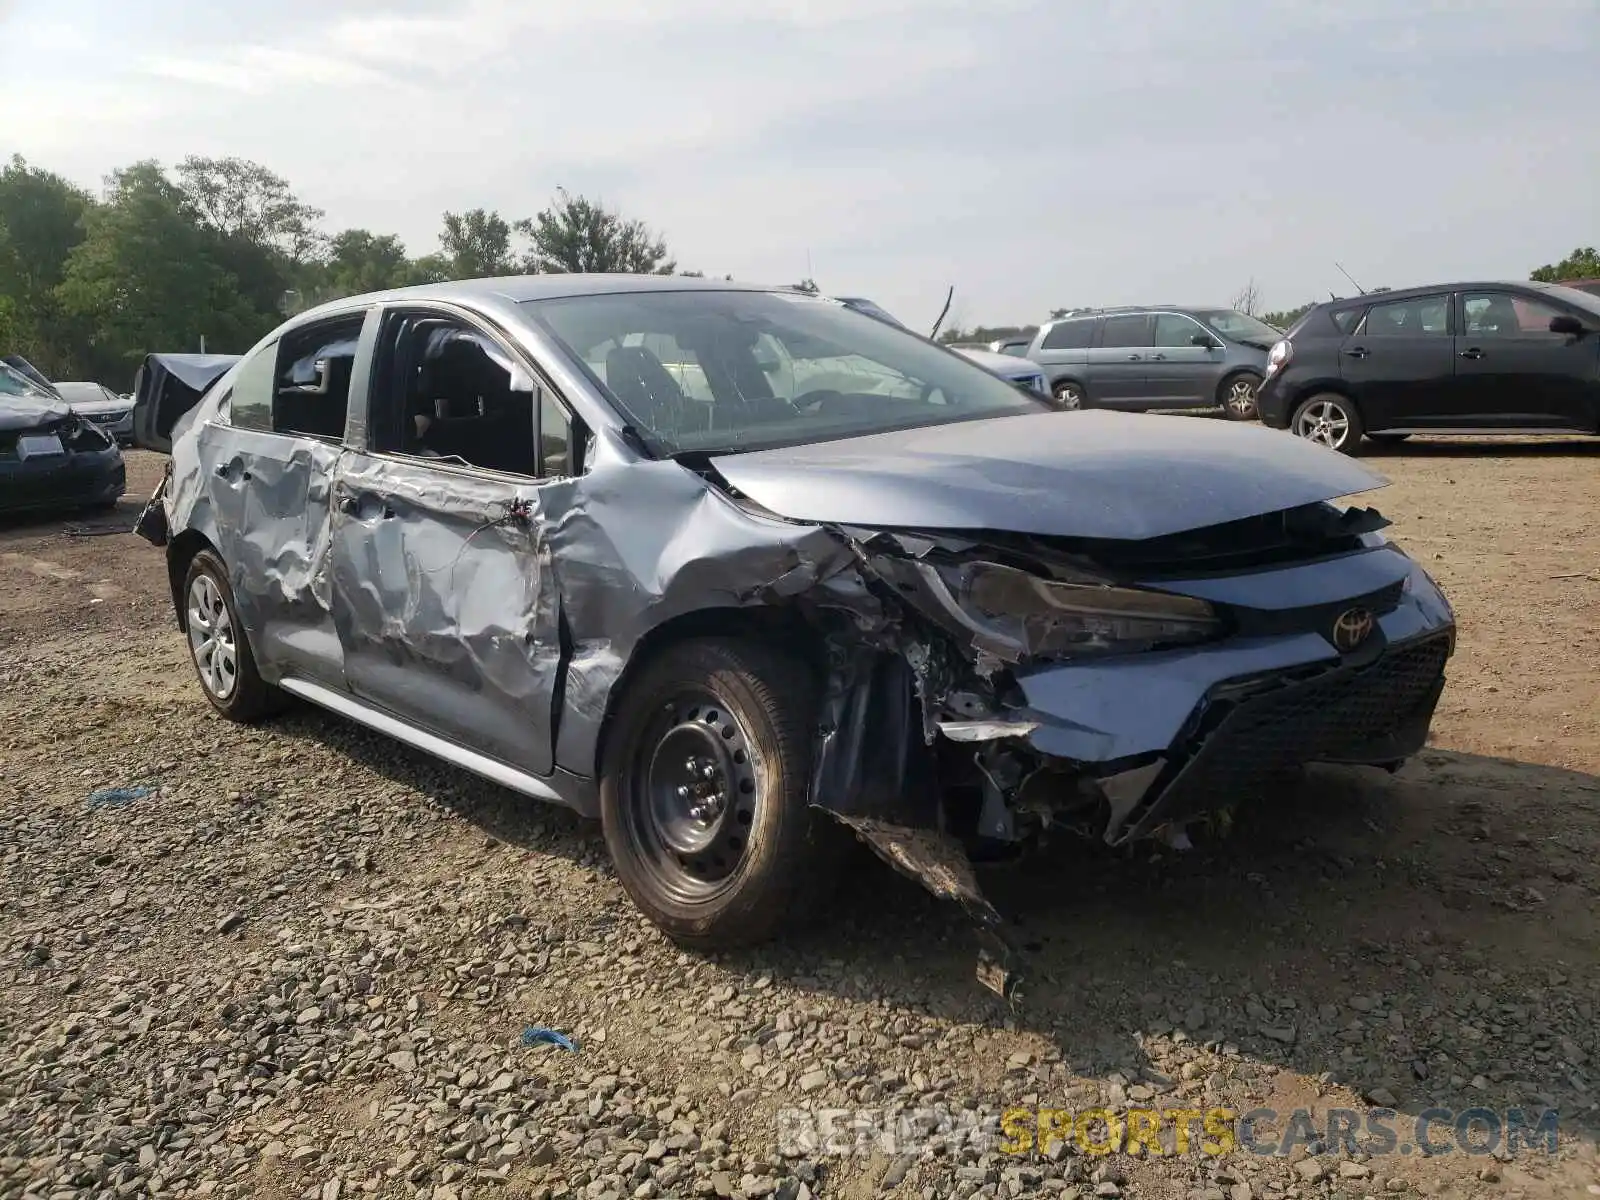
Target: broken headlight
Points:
(1044, 618)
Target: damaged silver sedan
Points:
(736, 569)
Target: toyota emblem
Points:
(1351, 628)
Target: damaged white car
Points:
(735, 569)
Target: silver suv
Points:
(1156, 357)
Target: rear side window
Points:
(313, 379)
(1344, 319)
(250, 406)
(1069, 335)
(1122, 332)
(1426, 316)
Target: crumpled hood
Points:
(26, 412)
(1069, 474)
(100, 408)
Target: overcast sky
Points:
(1034, 153)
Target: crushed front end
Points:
(1121, 691)
(58, 461)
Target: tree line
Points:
(222, 249)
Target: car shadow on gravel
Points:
(1544, 446)
(1353, 882)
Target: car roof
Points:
(1433, 289)
(1118, 309)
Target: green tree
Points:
(243, 200)
(41, 217)
(362, 261)
(576, 234)
(144, 278)
(1286, 318)
(1582, 263)
(476, 245)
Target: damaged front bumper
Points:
(1141, 745)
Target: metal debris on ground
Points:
(117, 797)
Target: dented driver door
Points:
(443, 592)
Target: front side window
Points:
(1175, 329)
(714, 371)
(1500, 314)
(1426, 316)
(449, 392)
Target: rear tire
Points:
(1070, 395)
(1237, 396)
(705, 794)
(219, 648)
(1330, 420)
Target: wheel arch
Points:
(181, 552)
(783, 625)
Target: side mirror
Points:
(1567, 325)
(1200, 339)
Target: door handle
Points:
(1472, 352)
(1357, 352)
(1158, 358)
(1135, 357)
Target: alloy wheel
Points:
(1324, 422)
(1241, 398)
(1070, 395)
(212, 641)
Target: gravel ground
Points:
(302, 965)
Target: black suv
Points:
(1452, 358)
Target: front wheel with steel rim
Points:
(218, 645)
(1070, 395)
(704, 794)
(1329, 420)
(1239, 397)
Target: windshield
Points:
(83, 393)
(15, 383)
(1241, 327)
(718, 371)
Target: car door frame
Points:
(1414, 396)
(413, 649)
(269, 493)
(1186, 374)
(1116, 375)
(1488, 368)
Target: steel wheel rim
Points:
(1242, 396)
(212, 640)
(1325, 423)
(1070, 397)
(691, 797)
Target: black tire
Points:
(757, 858)
(1330, 420)
(1237, 395)
(240, 695)
(1070, 394)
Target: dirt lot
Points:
(303, 966)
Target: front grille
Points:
(1251, 731)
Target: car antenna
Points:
(943, 312)
(1351, 278)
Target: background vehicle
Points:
(98, 403)
(1448, 358)
(1155, 357)
(1025, 374)
(166, 387)
(50, 457)
(1015, 346)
